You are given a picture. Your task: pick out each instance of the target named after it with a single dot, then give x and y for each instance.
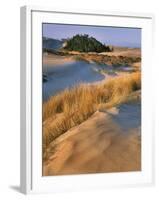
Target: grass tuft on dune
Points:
(73, 106)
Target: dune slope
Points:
(102, 143)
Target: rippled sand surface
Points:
(109, 141)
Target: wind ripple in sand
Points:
(100, 144)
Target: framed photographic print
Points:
(86, 100)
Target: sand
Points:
(118, 51)
(54, 60)
(127, 52)
(137, 65)
(109, 141)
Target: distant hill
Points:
(52, 44)
(84, 43)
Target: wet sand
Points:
(109, 141)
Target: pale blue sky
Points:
(129, 37)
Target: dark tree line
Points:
(84, 43)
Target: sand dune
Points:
(109, 141)
(52, 59)
(128, 52)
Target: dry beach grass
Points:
(73, 106)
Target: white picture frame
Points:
(31, 118)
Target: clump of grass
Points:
(73, 106)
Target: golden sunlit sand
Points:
(97, 145)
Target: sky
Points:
(117, 36)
